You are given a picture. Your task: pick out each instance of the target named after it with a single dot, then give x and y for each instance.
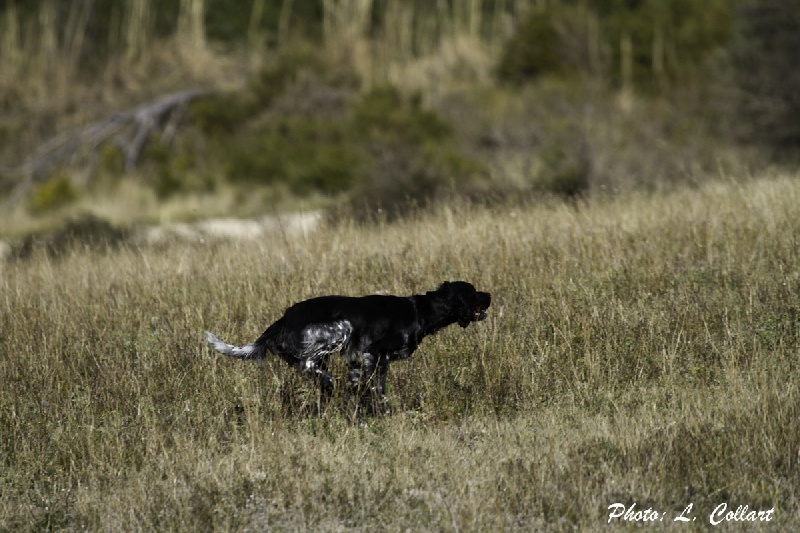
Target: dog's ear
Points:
(462, 297)
(448, 296)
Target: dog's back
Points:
(357, 309)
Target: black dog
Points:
(370, 331)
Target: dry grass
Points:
(643, 349)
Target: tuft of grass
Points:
(641, 349)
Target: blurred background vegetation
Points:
(388, 103)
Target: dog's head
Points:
(468, 304)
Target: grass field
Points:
(640, 350)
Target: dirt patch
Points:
(232, 228)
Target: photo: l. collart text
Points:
(722, 513)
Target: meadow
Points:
(641, 349)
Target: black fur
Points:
(370, 331)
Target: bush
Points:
(289, 125)
(219, 114)
(53, 194)
(385, 148)
(87, 230)
(383, 117)
(412, 156)
(307, 154)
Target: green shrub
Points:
(306, 153)
(412, 153)
(53, 194)
(388, 148)
(87, 231)
(219, 114)
(382, 116)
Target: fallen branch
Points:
(129, 130)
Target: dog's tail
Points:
(254, 351)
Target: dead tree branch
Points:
(129, 130)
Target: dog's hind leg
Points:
(367, 380)
(317, 342)
(382, 371)
(318, 371)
